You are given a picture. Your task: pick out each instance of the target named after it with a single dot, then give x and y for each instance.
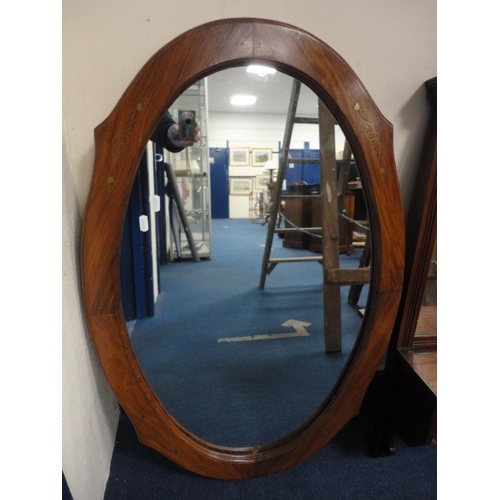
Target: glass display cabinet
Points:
(191, 170)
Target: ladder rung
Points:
(285, 197)
(296, 259)
(356, 276)
(303, 160)
(291, 229)
(301, 119)
(314, 160)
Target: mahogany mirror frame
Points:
(119, 143)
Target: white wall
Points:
(89, 410)
(264, 130)
(389, 43)
(241, 207)
(257, 127)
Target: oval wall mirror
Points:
(234, 363)
(120, 144)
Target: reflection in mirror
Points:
(236, 355)
(426, 329)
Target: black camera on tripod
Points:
(187, 124)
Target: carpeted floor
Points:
(247, 392)
(341, 470)
(252, 391)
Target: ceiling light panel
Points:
(243, 100)
(260, 70)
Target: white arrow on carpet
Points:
(299, 327)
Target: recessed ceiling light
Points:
(261, 70)
(243, 100)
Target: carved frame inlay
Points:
(121, 139)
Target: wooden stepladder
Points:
(333, 193)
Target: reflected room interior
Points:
(223, 293)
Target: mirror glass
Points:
(426, 329)
(235, 354)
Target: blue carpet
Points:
(246, 392)
(341, 470)
(250, 392)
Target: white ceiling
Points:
(272, 92)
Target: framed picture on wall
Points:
(241, 185)
(239, 157)
(260, 156)
(261, 181)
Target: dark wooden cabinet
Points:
(305, 211)
(408, 401)
(414, 399)
(299, 211)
